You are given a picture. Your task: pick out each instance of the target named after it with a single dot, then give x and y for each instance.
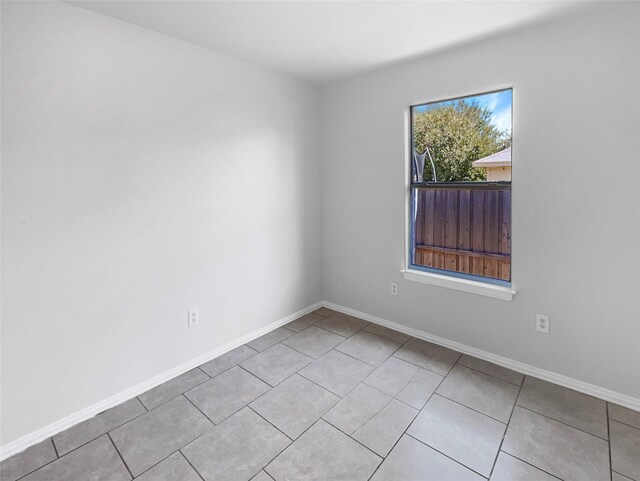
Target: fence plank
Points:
(451, 229)
(464, 222)
(477, 229)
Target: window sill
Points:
(465, 285)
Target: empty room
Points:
(320, 240)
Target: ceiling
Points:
(321, 41)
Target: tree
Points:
(457, 134)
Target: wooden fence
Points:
(464, 227)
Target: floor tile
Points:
(392, 376)
(420, 388)
(492, 369)
(228, 360)
(337, 372)
(325, 312)
(236, 449)
(489, 395)
(625, 449)
(174, 468)
(27, 461)
(410, 460)
(276, 364)
(368, 348)
(356, 408)
(387, 333)
(324, 453)
(172, 388)
(313, 341)
(270, 338)
(508, 468)
(262, 476)
(555, 447)
(342, 324)
(96, 461)
(565, 405)
(624, 415)
(464, 435)
(227, 393)
(384, 429)
(417, 351)
(155, 435)
(96, 426)
(303, 322)
(442, 361)
(294, 405)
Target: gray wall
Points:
(141, 176)
(576, 201)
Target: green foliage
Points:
(457, 135)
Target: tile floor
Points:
(332, 397)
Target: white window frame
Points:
(441, 278)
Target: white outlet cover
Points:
(394, 288)
(194, 317)
(542, 323)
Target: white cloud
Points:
(491, 101)
(502, 119)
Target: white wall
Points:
(575, 233)
(141, 176)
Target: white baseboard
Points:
(35, 437)
(571, 383)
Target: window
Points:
(460, 188)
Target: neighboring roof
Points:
(499, 159)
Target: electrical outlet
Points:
(194, 318)
(394, 288)
(542, 323)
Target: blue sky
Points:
(499, 103)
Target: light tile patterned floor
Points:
(330, 396)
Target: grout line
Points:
(609, 441)
(391, 398)
(201, 370)
(268, 384)
(475, 410)
(562, 422)
(623, 423)
(349, 436)
(528, 463)
(412, 421)
(360, 360)
(120, 455)
(200, 411)
(31, 472)
(232, 366)
(305, 354)
(486, 373)
(55, 449)
(504, 435)
(490, 375)
(269, 422)
(328, 330)
(102, 434)
(189, 463)
(155, 464)
(447, 456)
(177, 395)
(141, 403)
